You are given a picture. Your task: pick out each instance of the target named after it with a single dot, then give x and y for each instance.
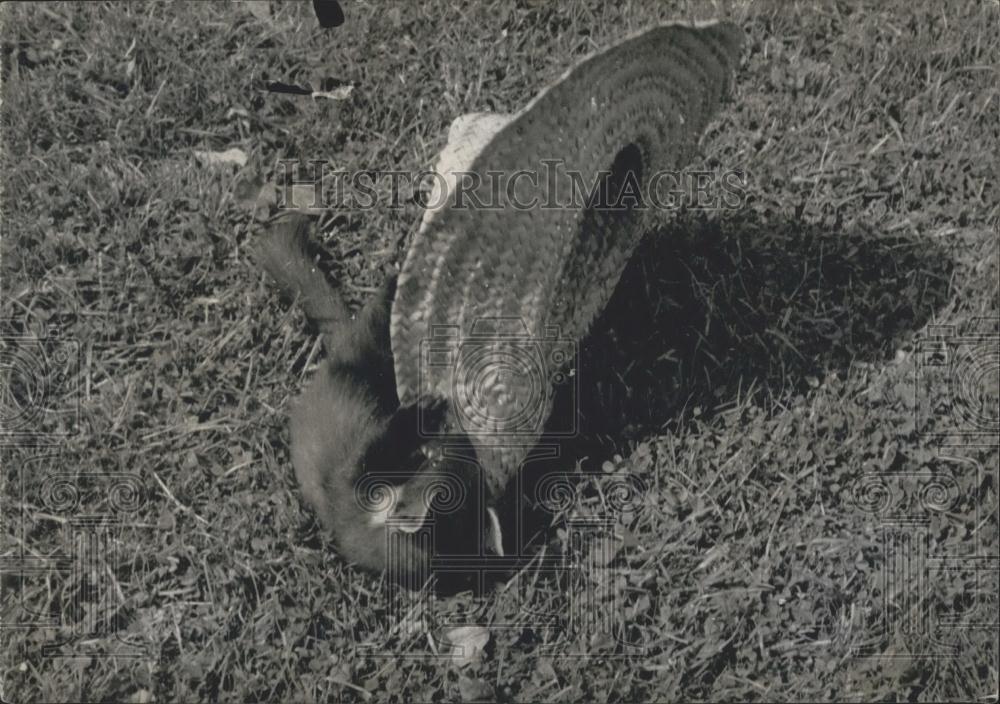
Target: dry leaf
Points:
(261, 9)
(467, 644)
(230, 156)
(252, 192)
(544, 671)
(166, 521)
(298, 197)
(329, 13)
(474, 690)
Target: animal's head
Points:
(395, 497)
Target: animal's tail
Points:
(283, 252)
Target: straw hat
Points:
(510, 267)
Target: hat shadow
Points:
(709, 311)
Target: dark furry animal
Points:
(365, 468)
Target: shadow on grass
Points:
(708, 310)
(711, 312)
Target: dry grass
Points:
(768, 362)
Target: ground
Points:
(812, 393)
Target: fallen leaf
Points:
(544, 672)
(252, 192)
(329, 13)
(300, 197)
(474, 690)
(467, 644)
(261, 9)
(230, 156)
(166, 521)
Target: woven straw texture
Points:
(499, 284)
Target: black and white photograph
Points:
(518, 351)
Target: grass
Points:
(768, 365)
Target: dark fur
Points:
(348, 423)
